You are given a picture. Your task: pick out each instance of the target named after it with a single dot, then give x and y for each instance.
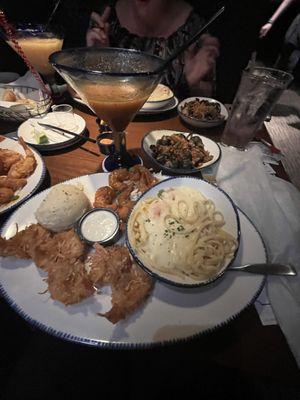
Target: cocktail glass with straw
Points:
(37, 42)
(115, 83)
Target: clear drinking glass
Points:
(63, 114)
(258, 92)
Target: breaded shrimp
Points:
(8, 158)
(117, 179)
(105, 197)
(6, 194)
(11, 183)
(25, 167)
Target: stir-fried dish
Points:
(178, 151)
(202, 110)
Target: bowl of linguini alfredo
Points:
(184, 231)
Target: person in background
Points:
(264, 30)
(159, 27)
(289, 58)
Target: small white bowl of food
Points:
(176, 152)
(202, 112)
(184, 231)
(160, 97)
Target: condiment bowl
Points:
(99, 225)
(146, 260)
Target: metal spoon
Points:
(266, 269)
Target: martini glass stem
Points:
(121, 154)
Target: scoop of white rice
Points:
(62, 207)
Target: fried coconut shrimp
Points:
(68, 282)
(60, 254)
(25, 243)
(24, 167)
(43, 246)
(130, 284)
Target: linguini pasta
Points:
(180, 233)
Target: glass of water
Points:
(258, 92)
(63, 114)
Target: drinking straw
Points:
(52, 13)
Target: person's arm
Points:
(199, 66)
(267, 27)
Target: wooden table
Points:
(244, 344)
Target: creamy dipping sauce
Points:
(99, 226)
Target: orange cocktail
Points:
(116, 103)
(38, 50)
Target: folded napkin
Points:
(273, 205)
(27, 80)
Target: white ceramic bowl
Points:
(223, 203)
(198, 123)
(153, 136)
(160, 98)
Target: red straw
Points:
(10, 33)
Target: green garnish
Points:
(15, 197)
(159, 194)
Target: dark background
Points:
(237, 31)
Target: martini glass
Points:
(115, 83)
(38, 42)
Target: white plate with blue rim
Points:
(169, 315)
(33, 181)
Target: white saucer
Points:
(68, 121)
